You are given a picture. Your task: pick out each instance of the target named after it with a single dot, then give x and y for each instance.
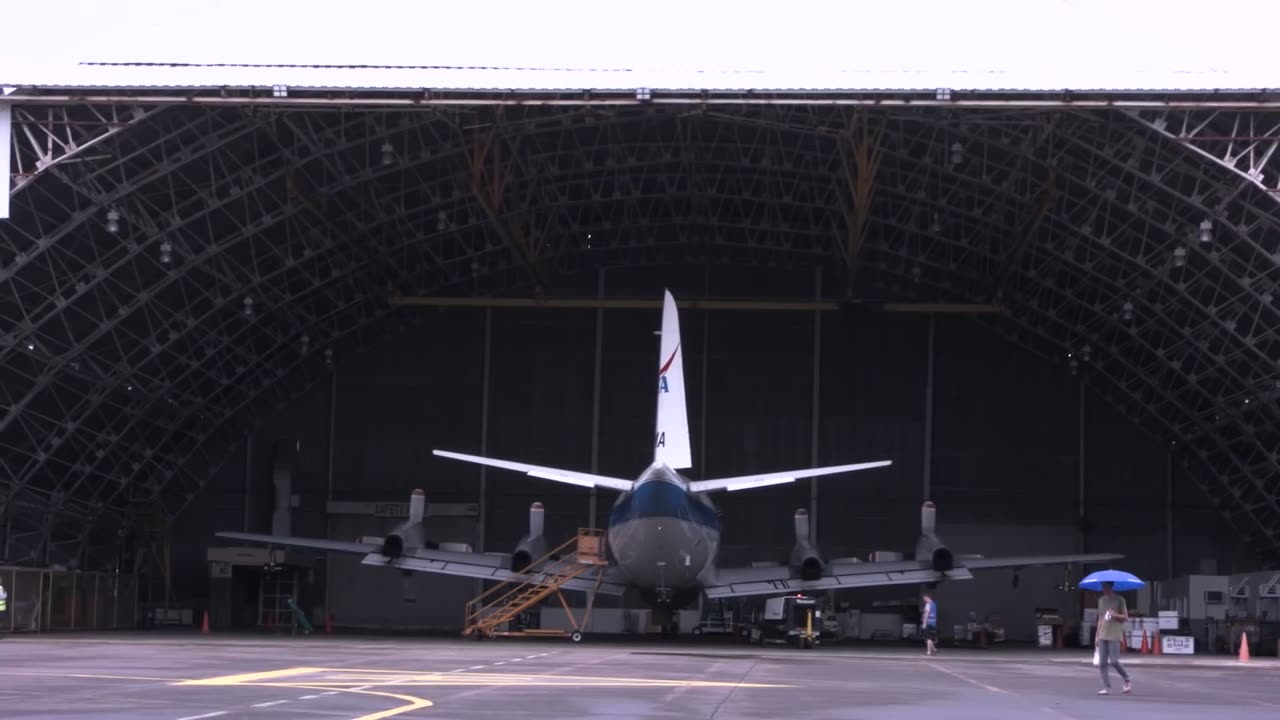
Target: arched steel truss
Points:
(251, 243)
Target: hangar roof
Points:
(171, 268)
(161, 75)
(1044, 45)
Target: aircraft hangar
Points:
(256, 298)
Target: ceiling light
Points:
(1179, 256)
(957, 154)
(113, 221)
(1127, 312)
(166, 252)
(388, 153)
(1206, 230)
(248, 307)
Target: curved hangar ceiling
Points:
(168, 269)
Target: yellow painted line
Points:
(411, 702)
(401, 678)
(361, 676)
(87, 675)
(251, 677)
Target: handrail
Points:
(511, 596)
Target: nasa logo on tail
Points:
(662, 374)
(661, 441)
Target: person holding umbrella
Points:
(1112, 614)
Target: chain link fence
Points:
(48, 600)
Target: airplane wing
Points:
(747, 581)
(314, 543)
(443, 562)
(773, 580)
(1019, 561)
(428, 561)
(745, 482)
(546, 473)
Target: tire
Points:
(575, 636)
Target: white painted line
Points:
(331, 692)
(476, 667)
(971, 681)
(530, 657)
(515, 659)
(206, 715)
(500, 663)
(308, 697)
(269, 704)
(363, 687)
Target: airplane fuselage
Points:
(663, 538)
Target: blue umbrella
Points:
(1123, 580)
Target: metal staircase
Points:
(505, 601)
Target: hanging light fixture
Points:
(957, 154)
(1179, 256)
(113, 221)
(166, 252)
(1206, 230)
(388, 153)
(1127, 312)
(248, 307)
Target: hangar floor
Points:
(172, 677)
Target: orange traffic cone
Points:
(1244, 647)
(1155, 646)
(1146, 649)
(204, 624)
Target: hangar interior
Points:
(1057, 317)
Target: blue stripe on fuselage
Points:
(662, 499)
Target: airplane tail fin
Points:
(417, 504)
(671, 438)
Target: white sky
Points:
(656, 34)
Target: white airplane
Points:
(663, 530)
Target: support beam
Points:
(1246, 143)
(927, 484)
(815, 419)
(1168, 514)
(1080, 467)
(1043, 204)
(484, 429)
(860, 158)
(248, 481)
(6, 141)
(701, 462)
(52, 136)
(489, 180)
(754, 305)
(595, 399)
(328, 519)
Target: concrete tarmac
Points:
(166, 676)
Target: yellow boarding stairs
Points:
(506, 600)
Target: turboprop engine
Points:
(930, 549)
(533, 545)
(409, 535)
(804, 556)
